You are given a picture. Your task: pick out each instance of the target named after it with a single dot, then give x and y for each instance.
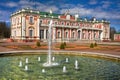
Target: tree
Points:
(112, 32)
(4, 30)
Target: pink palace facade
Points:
(29, 24)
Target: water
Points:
(20, 64)
(64, 69)
(76, 64)
(89, 68)
(49, 62)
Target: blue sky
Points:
(109, 9)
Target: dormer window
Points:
(31, 20)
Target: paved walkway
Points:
(4, 49)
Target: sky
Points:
(108, 9)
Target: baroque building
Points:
(29, 24)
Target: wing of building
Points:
(29, 24)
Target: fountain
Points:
(64, 69)
(49, 62)
(26, 60)
(26, 68)
(66, 60)
(20, 64)
(43, 70)
(53, 58)
(76, 64)
(38, 58)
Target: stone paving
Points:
(4, 49)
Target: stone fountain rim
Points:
(65, 52)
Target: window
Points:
(14, 33)
(46, 34)
(41, 34)
(31, 20)
(30, 33)
(73, 34)
(66, 34)
(62, 23)
(55, 23)
(58, 34)
(94, 35)
(67, 24)
(79, 34)
(40, 21)
(48, 22)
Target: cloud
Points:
(93, 2)
(62, 8)
(106, 4)
(9, 4)
(98, 13)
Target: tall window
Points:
(41, 34)
(66, 34)
(94, 35)
(46, 34)
(58, 34)
(14, 33)
(31, 33)
(79, 34)
(31, 21)
(73, 34)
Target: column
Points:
(62, 34)
(70, 34)
(23, 28)
(38, 28)
(44, 33)
(81, 34)
(92, 35)
(54, 34)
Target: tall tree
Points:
(4, 30)
(112, 32)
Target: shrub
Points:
(38, 43)
(62, 46)
(91, 45)
(64, 43)
(95, 44)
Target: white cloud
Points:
(92, 2)
(9, 4)
(92, 12)
(73, 9)
(106, 4)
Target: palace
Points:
(28, 24)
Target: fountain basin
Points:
(90, 67)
